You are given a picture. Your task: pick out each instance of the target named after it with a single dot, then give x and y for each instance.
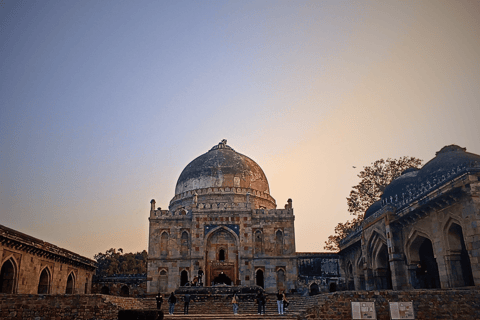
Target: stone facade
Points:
(31, 266)
(124, 285)
(223, 224)
(424, 232)
(318, 272)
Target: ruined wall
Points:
(65, 307)
(428, 304)
(318, 272)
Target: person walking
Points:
(235, 303)
(186, 300)
(280, 302)
(171, 303)
(159, 300)
(285, 303)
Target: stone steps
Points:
(222, 309)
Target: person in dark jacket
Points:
(186, 300)
(280, 302)
(159, 300)
(171, 302)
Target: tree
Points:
(373, 181)
(113, 262)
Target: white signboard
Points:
(401, 310)
(363, 310)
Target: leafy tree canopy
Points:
(116, 262)
(374, 179)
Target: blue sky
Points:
(103, 103)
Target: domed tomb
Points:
(224, 178)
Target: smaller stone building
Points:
(124, 285)
(424, 232)
(31, 266)
(318, 272)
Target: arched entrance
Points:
(459, 261)
(222, 278)
(70, 284)
(425, 274)
(382, 274)
(163, 281)
(259, 279)
(314, 289)
(280, 279)
(222, 257)
(7, 277)
(44, 282)
(105, 290)
(124, 291)
(183, 278)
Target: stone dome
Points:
(222, 171)
(450, 162)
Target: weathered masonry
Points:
(222, 227)
(425, 230)
(32, 266)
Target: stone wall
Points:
(65, 307)
(428, 304)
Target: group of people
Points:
(260, 299)
(172, 300)
(282, 302)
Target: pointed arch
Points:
(457, 258)
(164, 244)
(260, 278)
(258, 242)
(281, 278)
(70, 288)
(183, 278)
(279, 239)
(184, 243)
(420, 252)
(8, 275)
(44, 281)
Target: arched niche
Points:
(420, 253)
(44, 281)
(457, 258)
(70, 288)
(8, 275)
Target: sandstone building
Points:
(424, 232)
(222, 223)
(32, 266)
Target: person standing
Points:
(235, 303)
(171, 303)
(259, 299)
(186, 300)
(159, 300)
(280, 302)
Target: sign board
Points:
(401, 310)
(363, 310)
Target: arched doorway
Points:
(70, 284)
(350, 281)
(44, 282)
(124, 291)
(460, 267)
(429, 263)
(332, 287)
(382, 274)
(7, 277)
(163, 281)
(183, 278)
(280, 279)
(314, 289)
(221, 255)
(105, 290)
(259, 280)
(222, 278)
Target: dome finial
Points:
(222, 145)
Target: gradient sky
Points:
(103, 103)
